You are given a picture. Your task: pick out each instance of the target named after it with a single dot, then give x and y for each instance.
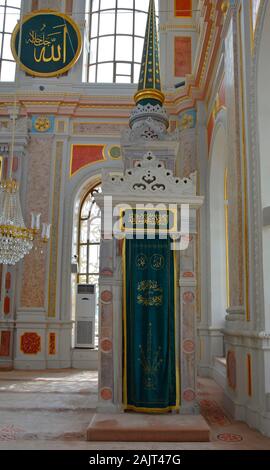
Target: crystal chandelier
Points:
(16, 240)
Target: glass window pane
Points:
(124, 22)
(7, 54)
(94, 25)
(123, 69)
(92, 74)
(95, 230)
(124, 48)
(8, 70)
(93, 259)
(95, 5)
(14, 3)
(125, 4)
(123, 79)
(106, 49)
(140, 24)
(105, 73)
(141, 5)
(137, 68)
(107, 20)
(82, 279)
(138, 49)
(12, 17)
(83, 231)
(93, 51)
(2, 10)
(104, 4)
(83, 259)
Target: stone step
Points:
(138, 427)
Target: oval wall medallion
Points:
(106, 345)
(106, 296)
(189, 346)
(188, 297)
(106, 393)
(189, 395)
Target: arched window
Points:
(89, 239)
(10, 11)
(89, 234)
(116, 36)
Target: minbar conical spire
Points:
(149, 87)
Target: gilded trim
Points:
(149, 93)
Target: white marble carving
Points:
(149, 176)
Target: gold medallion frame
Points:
(50, 74)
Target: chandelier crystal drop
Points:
(16, 240)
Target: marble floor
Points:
(52, 409)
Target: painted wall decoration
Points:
(5, 343)
(52, 294)
(183, 8)
(7, 305)
(48, 45)
(231, 369)
(188, 119)
(99, 128)
(30, 343)
(115, 152)
(52, 344)
(83, 155)
(182, 56)
(40, 154)
(42, 124)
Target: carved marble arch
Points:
(218, 218)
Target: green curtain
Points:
(150, 366)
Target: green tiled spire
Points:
(149, 87)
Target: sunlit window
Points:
(9, 16)
(115, 40)
(89, 244)
(89, 239)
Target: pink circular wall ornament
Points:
(188, 297)
(189, 346)
(106, 345)
(106, 393)
(106, 296)
(189, 395)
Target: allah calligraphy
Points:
(47, 44)
(44, 43)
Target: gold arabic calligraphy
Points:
(57, 52)
(149, 293)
